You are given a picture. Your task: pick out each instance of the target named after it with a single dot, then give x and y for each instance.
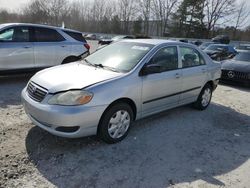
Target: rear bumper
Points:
(52, 117)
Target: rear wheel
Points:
(204, 98)
(116, 123)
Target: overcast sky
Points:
(15, 4)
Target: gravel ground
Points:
(181, 147)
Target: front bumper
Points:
(52, 117)
(238, 77)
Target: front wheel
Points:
(116, 123)
(204, 98)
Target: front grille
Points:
(36, 92)
(234, 75)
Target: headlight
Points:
(71, 98)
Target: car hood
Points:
(71, 76)
(241, 66)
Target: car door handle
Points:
(177, 75)
(27, 47)
(63, 46)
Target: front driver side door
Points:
(161, 91)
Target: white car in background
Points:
(25, 47)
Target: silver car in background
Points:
(28, 46)
(125, 81)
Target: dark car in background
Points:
(220, 52)
(237, 69)
(106, 41)
(223, 39)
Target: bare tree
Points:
(162, 10)
(127, 12)
(144, 8)
(217, 10)
(242, 15)
(47, 11)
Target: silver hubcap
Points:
(119, 124)
(206, 97)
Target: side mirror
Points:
(150, 69)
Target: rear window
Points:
(76, 36)
(47, 35)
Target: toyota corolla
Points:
(123, 82)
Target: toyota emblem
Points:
(230, 74)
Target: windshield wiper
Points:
(106, 67)
(88, 63)
(100, 66)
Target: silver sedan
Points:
(125, 81)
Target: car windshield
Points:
(243, 56)
(216, 47)
(120, 56)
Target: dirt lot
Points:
(178, 148)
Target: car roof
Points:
(38, 25)
(156, 41)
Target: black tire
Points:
(70, 60)
(104, 125)
(199, 104)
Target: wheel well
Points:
(211, 83)
(70, 59)
(128, 101)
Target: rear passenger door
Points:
(194, 71)
(16, 49)
(49, 48)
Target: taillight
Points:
(87, 46)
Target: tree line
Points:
(171, 18)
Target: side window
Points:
(166, 58)
(191, 57)
(15, 34)
(76, 36)
(47, 35)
